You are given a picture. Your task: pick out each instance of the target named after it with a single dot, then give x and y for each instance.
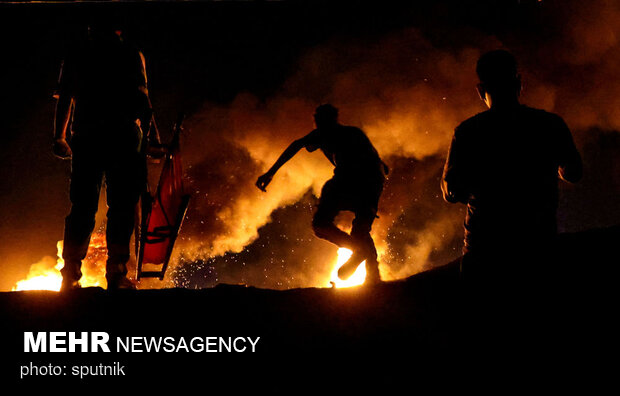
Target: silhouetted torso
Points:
(107, 80)
(348, 149)
(504, 164)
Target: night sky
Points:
(231, 66)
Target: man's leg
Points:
(86, 178)
(360, 233)
(323, 221)
(124, 180)
(364, 202)
(324, 228)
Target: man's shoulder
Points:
(350, 128)
(313, 133)
(132, 50)
(337, 132)
(541, 115)
(473, 122)
(351, 133)
(530, 114)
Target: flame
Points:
(45, 275)
(356, 279)
(41, 277)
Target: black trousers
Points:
(124, 170)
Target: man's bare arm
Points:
(452, 180)
(61, 122)
(63, 114)
(264, 180)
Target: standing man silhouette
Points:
(504, 165)
(356, 186)
(102, 122)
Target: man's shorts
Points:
(358, 196)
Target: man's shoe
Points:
(70, 284)
(349, 267)
(372, 273)
(121, 282)
(372, 280)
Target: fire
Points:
(45, 275)
(358, 276)
(42, 277)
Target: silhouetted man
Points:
(356, 186)
(504, 164)
(103, 96)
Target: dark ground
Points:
(309, 336)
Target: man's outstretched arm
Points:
(264, 180)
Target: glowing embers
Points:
(358, 276)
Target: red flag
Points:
(163, 214)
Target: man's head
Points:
(106, 27)
(325, 115)
(499, 78)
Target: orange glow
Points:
(358, 276)
(42, 277)
(45, 275)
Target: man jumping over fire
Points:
(103, 100)
(356, 186)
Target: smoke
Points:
(404, 93)
(407, 95)
(573, 70)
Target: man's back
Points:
(107, 79)
(348, 149)
(504, 164)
